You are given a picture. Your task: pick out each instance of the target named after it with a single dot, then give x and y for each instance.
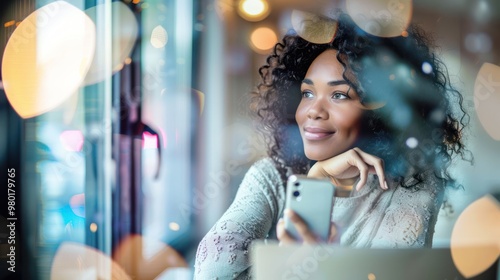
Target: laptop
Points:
(271, 261)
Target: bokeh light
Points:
(72, 140)
(174, 226)
(412, 142)
(47, 57)
(78, 261)
(263, 39)
(426, 67)
(93, 227)
(77, 204)
(9, 23)
(487, 98)
(124, 35)
(475, 242)
(146, 258)
(253, 10)
(482, 11)
(313, 28)
(479, 42)
(149, 140)
(383, 18)
(159, 37)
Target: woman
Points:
(371, 114)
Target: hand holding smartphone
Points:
(312, 200)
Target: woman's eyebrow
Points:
(336, 83)
(307, 81)
(331, 83)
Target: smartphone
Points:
(312, 200)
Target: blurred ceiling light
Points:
(124, 32)
(253, 10)
(314, 28)
(47, 58)
(74, 260)
(72, 140)
(263, 39)
(93, 227)
(487, 98)
(159, 37)
(383, 18)
(475, 242)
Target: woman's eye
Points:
(307, 94)
(339, 95)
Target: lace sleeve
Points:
(223, 252)
(410, 219)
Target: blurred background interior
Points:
(127, 121)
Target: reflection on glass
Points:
(487, 98)
(475, 242)
(159, 37)
(124, 32)
(54, 47)
(313, 28)
(78, 261)
(383, 18)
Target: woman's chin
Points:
(320, 154)
(317, 156)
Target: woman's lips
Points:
(315, 133)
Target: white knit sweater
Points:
(372, 217)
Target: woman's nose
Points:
(317, 110)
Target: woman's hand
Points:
(349, 165)
(307, 236)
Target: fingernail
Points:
(386, 185)
(358, 187)
(288, 213)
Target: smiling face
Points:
(329, 113)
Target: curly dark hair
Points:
(402, 72)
